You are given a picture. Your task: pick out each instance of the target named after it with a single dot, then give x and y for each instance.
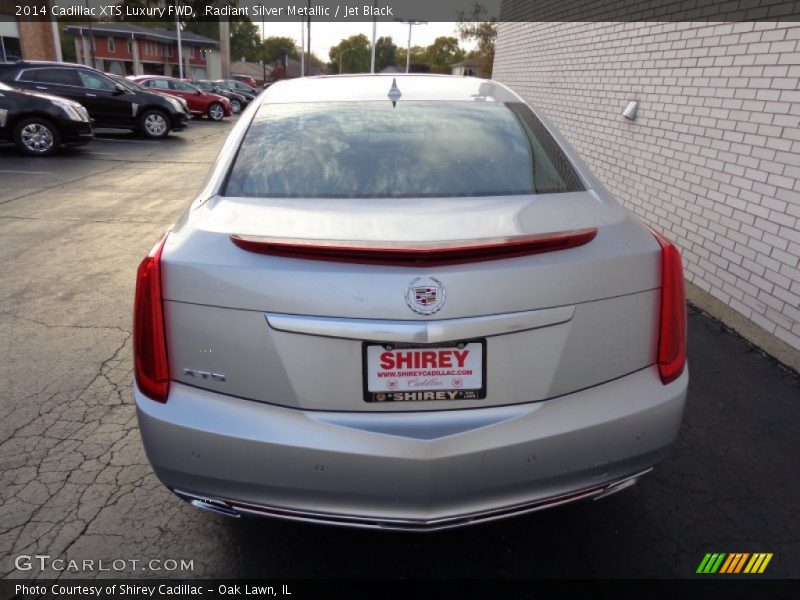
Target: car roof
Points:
(27, 64)
(342, 88)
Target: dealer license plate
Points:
(409, 373)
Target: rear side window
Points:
(413, 149)
(96, 82)
(54, 76)
(183, 87)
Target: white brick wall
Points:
(713, 158)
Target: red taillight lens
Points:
(149, 337)
(672, 324)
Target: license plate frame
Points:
(443, 392)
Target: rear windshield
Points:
(411, 150)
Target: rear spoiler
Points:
(410, 254)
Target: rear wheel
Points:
(216, 112)
(35, 136)
(236, 106)
(154, 124)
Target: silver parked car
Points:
(404, 302)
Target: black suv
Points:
(39, 124)
(109, 103)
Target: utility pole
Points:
(180, 45)
(374, 28)
(302, 49)
(91, 39)
(55, 33)
(225, 47)
(309, 37)
(410, 23)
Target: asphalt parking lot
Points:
(75, 484)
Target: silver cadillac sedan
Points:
(404, 302)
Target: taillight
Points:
(149, 336)
(672, 323)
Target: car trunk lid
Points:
(297, 331)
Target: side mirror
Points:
(119, 89)
(199, 93)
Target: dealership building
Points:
(128, 49)
(708, 151)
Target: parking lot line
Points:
(27, 172)
(104, 139)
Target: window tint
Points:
(184, 87)
(54, 76)
(95, 81)
(416, 149)
(160, 84)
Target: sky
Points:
(325, 35)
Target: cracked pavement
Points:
(75, 483)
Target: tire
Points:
(154, 124)
(216, 112)
(236, 106)
(36, 136)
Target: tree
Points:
(245, 41)
(475, 26)
(354, 53)
(271, 48)
(209, 29)
(417, 57)
(316, 61)
(385, 53)
(443, 53)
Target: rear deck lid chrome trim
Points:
(420, 332)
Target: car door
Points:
(58, 81)
(189, 93)
(162, 86)
(110, 104)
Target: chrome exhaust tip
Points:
(622, 485)
(216, 506)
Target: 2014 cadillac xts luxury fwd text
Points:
(404, 302)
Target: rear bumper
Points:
(409, 470)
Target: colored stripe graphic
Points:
(728, 562)
(711, 562)
(758, 563)
(703, 563)
(716, 565)
(734, 563)
(741, 562)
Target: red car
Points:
(200, 103)
(245, 79)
